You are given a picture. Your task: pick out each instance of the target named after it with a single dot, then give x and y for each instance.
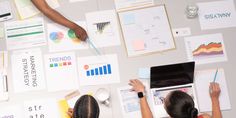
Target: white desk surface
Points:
(129, 66)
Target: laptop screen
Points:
(172, 75)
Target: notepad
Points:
(63, 108)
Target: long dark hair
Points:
(180, 105)
(86, 107)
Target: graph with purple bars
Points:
(102, 70)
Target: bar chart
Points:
(101, 70)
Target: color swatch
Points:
(73, 36)
(56, 37)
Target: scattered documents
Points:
(131, 4)
(206, 48)
(25, 34)
(217, 14)
(103, 28)
(27, 70)
(44, 108)
(61, 71)
(61, 38)
(26, 8)
(5, 11)
(95, 70)
(11, 112)
(202, 82)
(146, 30)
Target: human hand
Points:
(80, 33)
(70, 112)
(214, 90)
(137, 85)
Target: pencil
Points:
(90, 42)
(215, 75)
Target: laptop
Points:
(167, 78)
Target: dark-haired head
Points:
(86, 107)
(179, 104)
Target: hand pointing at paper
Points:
(60, 19)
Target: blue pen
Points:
(215, 75)
(90, 42)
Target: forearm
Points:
(52, 14)
(145, 109)
(216, 113)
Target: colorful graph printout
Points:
(61, 38)
(61, 71)
(206, 48)
(96, 70)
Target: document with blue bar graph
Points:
(96, 70)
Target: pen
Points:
(215, 75)
(90, 42)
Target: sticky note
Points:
(144, 73)
(138, 45)
(63, 108)
(128, 19)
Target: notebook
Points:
(167, 78)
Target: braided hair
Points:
(86, 107)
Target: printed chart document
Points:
(44, 108)
(96, 70)
(103, 28)
(11, 112)
(26, 8)
(203, 79)
(217, 14)
(61, 71)
(25, 34)
(129, 101)
(206, 48)
(5, 11)
(146, 30)
(27, 70)
(131, 4)
(61, 38)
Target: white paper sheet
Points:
(45, 108)
(202, 82)
(129, 101)
(27, 70)
(95, 70)
(25, 34)
(77, 0)
(146, 30)
(5, 11)
(103, 28)
(217, 14)
(61, 71)
(61, 38)
(26, 8)
(131, 4)
(11, 112)
(206, 48)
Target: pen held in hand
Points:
(215, 75)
